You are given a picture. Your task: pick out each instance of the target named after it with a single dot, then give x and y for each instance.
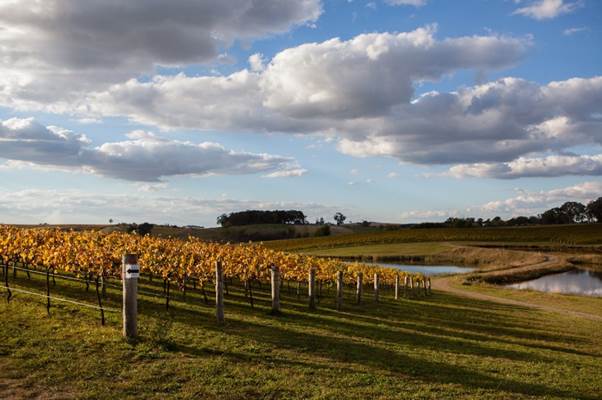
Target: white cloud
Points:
(548, 9)
(415, 3)
(556, 165)
(525, 203)
(531, 203)
(572, 31)
(370, 73)
(392, 175)
(56, 50)
(287, 173)
(329, 89)
(74, 206)
(144, 157)
(256, 62)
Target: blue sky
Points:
(417, 112)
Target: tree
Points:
(554, 216)
(339, 218)
(110, 220)
(594, 210)
(574, 211)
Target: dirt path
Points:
(446, 284)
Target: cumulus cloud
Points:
(361, 91)
(370, 73)
(556, 165)
(524, 203)
(329, 88)
(75, 206)
(530, 203)
(314, 87)
(58, 49)
(547, 9)
(144, 157)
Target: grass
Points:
(384, 250)
(440, 347)
(557, 235)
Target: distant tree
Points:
(251, 217)
(554, 216)
(339, 218)
(144, 229)
(365, 223)
(221, 220)
(594, 210)
(110, 220)
(574, 211)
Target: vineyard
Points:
(94, 257)
(582, 234)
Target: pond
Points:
(579, 281)
(429, 270)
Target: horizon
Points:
(403, 111)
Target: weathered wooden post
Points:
(219, 292)
(275, 282)
(339, 290)
(411, 286)
(405, 285)
(376, 288)
(359, 288)
(130, 273)
(396, 286)
(311, 288)
(428, 282)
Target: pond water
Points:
(584, 282)
(429, 270)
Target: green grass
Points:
(558, 235)
(383, 250)
(436, 347)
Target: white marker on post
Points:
(131, 273)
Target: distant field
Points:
(384, 250)
(560, 235)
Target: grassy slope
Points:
(439, 347)
(558, 235)
(390, 249)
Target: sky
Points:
(391, 110)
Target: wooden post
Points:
(396, 286)
(405, 285)
(339, 290)
(275, 281)
(359, 288)
(411, 286)
(428, 282)
(376, 282)
(219, 292)
(130, 273)
(312, 289)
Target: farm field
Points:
(550, 235)
(443, 346)
(382, 250)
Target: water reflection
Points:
(429, 270)
(584, 282)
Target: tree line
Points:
(251, 217)
(571, 212)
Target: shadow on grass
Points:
(443, 323)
